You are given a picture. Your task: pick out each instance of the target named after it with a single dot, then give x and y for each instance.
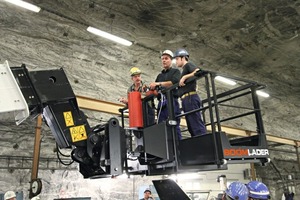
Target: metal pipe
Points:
(258, 116)
(236, 116)
(212, 120)
(234, 97)
(172, 117)
(227, 93)
(215, 104)
(213, 127)
(25, 163)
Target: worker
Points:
(147, 195)
(288, 195)
(10, 195)
(139, 86)
(189, 97)
(258, 191)
(236, 191)
(166, 78)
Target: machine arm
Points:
(49, 92)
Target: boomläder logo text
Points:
(246, 152)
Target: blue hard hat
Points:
(181, 53)
(237, 191)
(258, 190)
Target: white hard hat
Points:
(36, 198)
(9, 194)
(169, 53)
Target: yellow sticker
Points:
(68, 118)
(78, 133)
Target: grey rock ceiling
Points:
(252, 39)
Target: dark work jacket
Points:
(170, 74)
(191, 86)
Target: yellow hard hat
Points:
(135, 71)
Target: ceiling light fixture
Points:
(225, 80)
(186, 176)
(24, 4)
(261, 93)
(109, 36)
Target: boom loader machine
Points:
(111, 149)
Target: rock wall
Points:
(257, 42)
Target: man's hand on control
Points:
(154, 85)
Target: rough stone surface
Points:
(255, 40)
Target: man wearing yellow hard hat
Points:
(135, 71)
(139, 86)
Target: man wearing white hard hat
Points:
(10, 195)
(165, 79)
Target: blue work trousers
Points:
(194, 121)
(162, 113)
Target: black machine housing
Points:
(49, 92)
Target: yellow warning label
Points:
(78, 133)
(68, 118)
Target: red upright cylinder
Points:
(135, 110)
